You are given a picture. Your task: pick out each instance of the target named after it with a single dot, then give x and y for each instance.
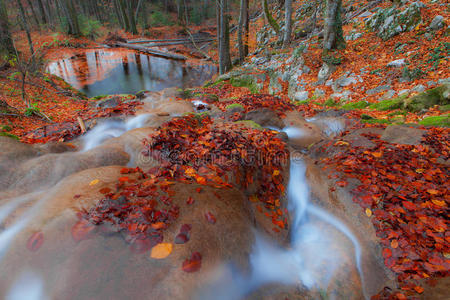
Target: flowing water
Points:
(311, 261)
(117, 71)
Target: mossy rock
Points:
(99, 97)
(303, 102)
(376, 121)
(186, 94)
(9, 135)
(207, 96)
(355, 105)
(331, 102)
(437, 96)
(250, 123)
(5, 128)
(234, 106)
(439, 121)
(444, 108)
(245, 81)
(389, 104)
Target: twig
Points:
(198, 49)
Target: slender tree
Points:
(288, 23)
(243, 30)
(25, 25)
(223, 36)
(6, 43)
(333, 34)
(42, 11)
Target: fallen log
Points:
(151, 51)
(175, 43)
(168, 40)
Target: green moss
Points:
(428, 99)
(5, 128)
(234, 105)
(245, 81)
(249, 123)
(440, 121)
(330, 102)
(355, 105)
(207, 96)
(389, 104)
(9, 135)
(99, 97)
(376, 121)
(366, 117)
(303, 102)
(444, 108)
(186, 94)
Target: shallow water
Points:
(119, 71)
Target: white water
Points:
(330, 126)
(111, 129)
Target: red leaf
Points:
(342, 183)
(190, 200)
(210, 218)
(35, 241)
(409, 205)
(82, 230)
(194, 264)
(387, 253)
(181, 238)
(185, 228)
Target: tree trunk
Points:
(33, 13)
(131, 18)
(333, 34)
(70, 13)
(243, 31)
(25, 25)
(272, 22)
(288, 23)
(6, 43)
(224, 37)
(42, 12)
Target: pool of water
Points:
(120, 71)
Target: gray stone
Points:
(324, 73)
(444, 81)
(431, 83)
(353, 36)
(437, 23)
(319, 93)
(346, 81)
(397, 134)
(404, 92)
(329, 82)
(397, 63)
(388, 95)
(301, 95)
(418, 88)
(345, 95)
(378, 89)
(264, 117)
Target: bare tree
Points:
(223, 36)
(288, 23)
(333, 34)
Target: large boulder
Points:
(391, 21)
(436, 96)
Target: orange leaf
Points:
(158, 225)
(377, 154)
(394, 244)
(161, 250)
(438, 202)
(432, 192)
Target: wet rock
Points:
(356, 139)
(397, 63)
(265, 117)
(397, 134)
(437, 23)
(141, 95)
(108, 103)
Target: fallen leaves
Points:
(193, 264)
(161, 250)
(35, 241)
(210, 217)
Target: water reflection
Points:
(115, 71)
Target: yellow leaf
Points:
(276, 172)
(161, 251)
(438, 202)
(190, 172)
(368, 212)
(432, 192)
(420, 171)
(341, 143)
(94, 182)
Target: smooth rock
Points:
(397, 134)
(301, 95)
(437, 23)
(418, 88)
(397, 63)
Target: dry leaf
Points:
(161, 250)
